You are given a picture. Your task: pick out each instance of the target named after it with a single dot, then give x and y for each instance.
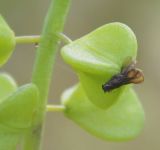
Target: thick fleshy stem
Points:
(43, 67)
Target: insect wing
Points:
(138, 76)
(127, 65)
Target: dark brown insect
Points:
(129, 74)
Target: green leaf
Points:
(98, 56)
(18, 110)
(121, 121)
(7, 41)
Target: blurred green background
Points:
(143, 16)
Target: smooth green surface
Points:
(18, 107)
(102, 51)
(18, 110)
(98, 56)
(7, 41)
(93, 89)
(43, 67)
(7, 86)
(46, 52)
(116, 115)
(122, 121)
(9, 140)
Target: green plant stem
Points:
(43, 66)
(27, 39)
(65, 38)
(55, 108)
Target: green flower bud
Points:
(98, 56)
(7, 41)
(18, 109)
(116, 115)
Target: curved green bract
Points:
(18, 110)
(98, 56)
(102, 51)
(7, 41)
(122, 121)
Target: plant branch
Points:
(27, 39)
(65, 38)
(43, 67)
(55, 108)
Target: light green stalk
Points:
(43, 68)
(27, 39)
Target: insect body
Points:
(128, 75)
